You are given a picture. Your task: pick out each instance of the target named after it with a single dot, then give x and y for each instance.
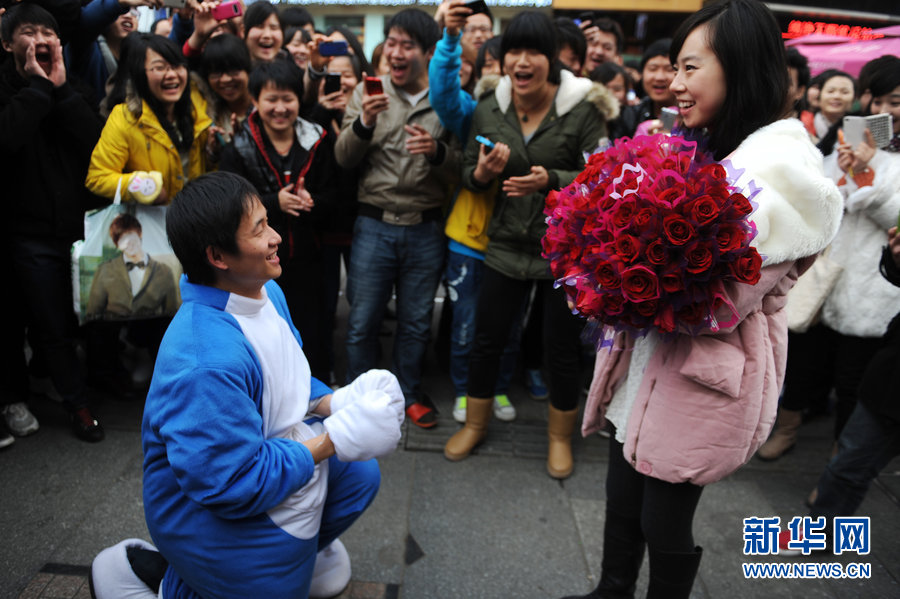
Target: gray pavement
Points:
(494, 526)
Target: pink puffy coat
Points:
(706, 403)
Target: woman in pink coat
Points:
(691, 410)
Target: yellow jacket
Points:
(468, 220)
(134, 140)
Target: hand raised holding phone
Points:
(374, 101)
(491, 162)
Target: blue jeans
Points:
(385, 256)
(463, 279)
(866, 445)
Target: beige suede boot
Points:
(560, 425)
(783, 437)
(478, 414)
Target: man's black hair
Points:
(25, 13)
(418, 25)
(657, 48)
(155, 25)
(799, 63)
(296, 16)
(571, 35)
(532, 30)
(257, 13)
(207, 212)
(223, 54)
(607, 25)
(283, 74)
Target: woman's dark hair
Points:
(223, 54)
(571, 35)
(492, 47)
(657, 48)
(25, 13)
(608, 71)
(532, 30)
(357, 49)
(885, 78)
(292, 32)
(799, 63)
(870, 68)
(257, 13)
(746, 39)
(418, 25)
(207, 212)
(283, 74)
(355, 64)
(181, 132)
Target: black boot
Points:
(623, 553)
(672, 574)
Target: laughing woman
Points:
(158, 134)
(542, 120)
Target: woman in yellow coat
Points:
(157, 138)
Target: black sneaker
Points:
(85, 426)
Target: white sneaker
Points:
(459, 409)
(19, 420)
(503, 409)
(5, 438)
(331, 574)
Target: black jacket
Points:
(881, 380)
(251, 155)
(47, 135)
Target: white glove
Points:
(381, 380)
(365, 429)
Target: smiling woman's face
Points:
(265, 39)
(166, 82)
(528, 70)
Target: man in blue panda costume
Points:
(252, 468)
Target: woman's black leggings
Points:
(665, 510)
(499, 304)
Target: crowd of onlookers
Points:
(428, 163)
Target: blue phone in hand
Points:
(485, 142)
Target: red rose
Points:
(729, 237)
(551, 201)
(678, 231)
(672, 281)
(693, 313)
(702, 210)
(643, 218)
(628, 248)
(623, 214)
(665, 319)
(647, 308)
(746, 268)
(608, 276)
(714, 170)
(657, 252)
(740, 204)
(699, 257)
(613, 305)
(669, 196)
(639, 284)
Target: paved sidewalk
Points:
(494, 526)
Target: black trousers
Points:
(665, 510)
(821, 359)
(38, 297)
(499, 304)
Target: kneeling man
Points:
(252, 468)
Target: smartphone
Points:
(880, 125)
(175, 3)
(373, 86)
(336, 48)
(485, 142)
(667, 116)
(477, 6)
(227, 10)
(332, 83)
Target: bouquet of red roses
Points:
(646, 235)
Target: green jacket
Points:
(575, 124)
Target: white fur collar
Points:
(799, 208)
(572, 90)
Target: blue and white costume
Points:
(232, 500)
